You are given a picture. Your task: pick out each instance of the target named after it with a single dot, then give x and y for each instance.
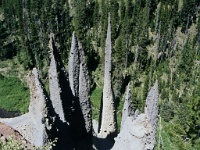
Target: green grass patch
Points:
(119, 114)
(14, 96)
(96, 102)
(96, 97)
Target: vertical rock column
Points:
(80, 86)
(33, 125)
(108, 122)
(37, 109)
(74, 65)
(41, 124)
(84, 92)
(79, 81)
(128, 108)
(151, 111)
(139, 132)
(54, 87)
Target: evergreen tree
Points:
(80, 19)
(114, 7)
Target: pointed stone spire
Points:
(84, 91)
(151, 111)
(128, 106)
(41, 124)
(81, 122)
(139, 133)
(73, 66)
(33, 125)
(54, 77)
(37, 108)
(108, 122)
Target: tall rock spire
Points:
(54, 76)
(33, 126)
(108, 122)
(151, 111)
(73, 66)
(37, 108)
(80, 86)
(128, 108)
(139, 133)
(41, 124)
(84, 91)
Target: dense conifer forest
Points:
(151, 40)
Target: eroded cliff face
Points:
(108, 120)
(138, 132)
(37, 109)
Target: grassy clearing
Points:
(14, 96)
(96, 102)
(119, 114)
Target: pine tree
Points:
(122, 10)
(80, 19)
(103, 23)
(114, 7)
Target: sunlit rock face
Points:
(128, 106)
(108, 120)
(32, 126)
(74, 66)
(54, 77)
(84, 91)
(151, 111)
(79, 80)
(138, 132)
